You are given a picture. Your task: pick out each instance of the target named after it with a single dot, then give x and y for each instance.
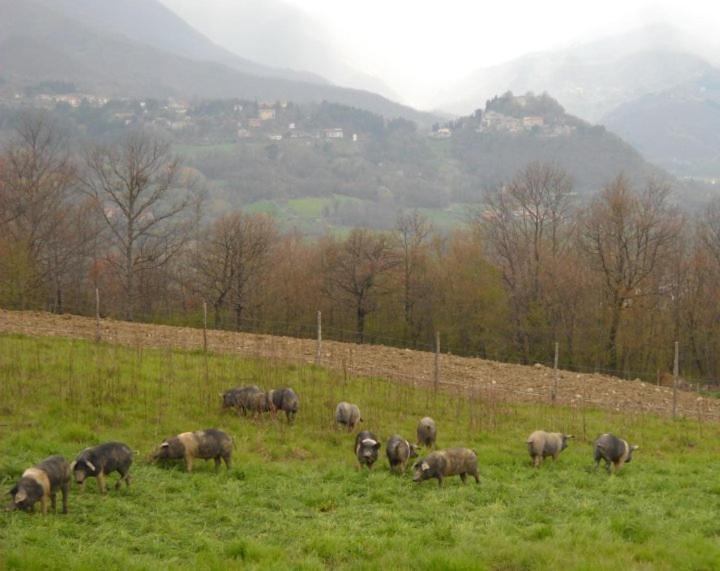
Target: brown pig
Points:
(41, 483)
(542, 444)
(450, 462)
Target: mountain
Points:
(66, 41)
(278, 34)
(149, 22)
(678, 129)
(588, 79)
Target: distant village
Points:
(212, 120)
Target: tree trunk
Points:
(238, 316)
(360, 330)
(613, 335)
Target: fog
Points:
(416, 48)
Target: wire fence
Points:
(426, 366)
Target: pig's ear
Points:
(634, 447)
(20, 496)
(570, 436)
(377, 446)
(90, 465)
(164, 445)
(72, 466)
(13, 491)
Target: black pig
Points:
(204, 444)
(99, 461)
(41, 483)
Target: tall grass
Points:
(294, 498)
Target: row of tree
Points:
(615, 280)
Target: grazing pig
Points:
(366, 448)
(285, 400)
(613, 450)
(399, 451)
(450, 462)
(542, 444)
(204, 444)
(40, 484)
(347, 414)
(99, 461)
(427, 432)
(240, 397)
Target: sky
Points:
(415, 46)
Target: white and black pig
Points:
(347, 414)
(285, 400)
(99, 461)
(210, 444)
(40, 484)
(399, 451)
(450, 462)
(613, 450)
(426, 432)
(367, 446)
(542, 444)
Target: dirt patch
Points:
(471, 376)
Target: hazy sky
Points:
(416, 45)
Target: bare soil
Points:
(472, 376)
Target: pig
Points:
(40, 484)
(347, 414)
(240, 397)
(366, 448)
(542, 444)
(285, 400)
(450, 462)
(613, 450)
(399, 451)
(426, 432)
(204, 444)
(258, 403)
(99, 461)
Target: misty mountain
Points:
(588, 79)
(151, 23)
(277, 34)
(678, 129)
(67, 41)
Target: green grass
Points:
(294, 498)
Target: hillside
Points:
(501, 382)
(678, 129)
(43, 43)
(354, 167)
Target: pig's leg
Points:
(65, 489)
(440, 481)
(227, 461)
(53, 498)
(44, 504)
(463, 477)
(188, 463)
(101, 482)
(217, 463)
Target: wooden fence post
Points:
(318, 349)
(555, 368)
(205, 344)
(436, 371)
(97, 315)
(676, 373)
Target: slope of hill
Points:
(678, 129)
(276, 33)
(149, 22)
(40, 43)
(588, 79)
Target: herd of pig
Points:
(42, 482)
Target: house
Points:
(254, 123)
(532, 121)
(443, 133)
(335, 133)
(266, 114)
(355, 137)
(275, 137)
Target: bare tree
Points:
(231, 257)
(527, 224)
(40, 212)
(145, 199)
(626, 235)
(354, 270)
(412, 231)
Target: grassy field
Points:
(294, 498)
